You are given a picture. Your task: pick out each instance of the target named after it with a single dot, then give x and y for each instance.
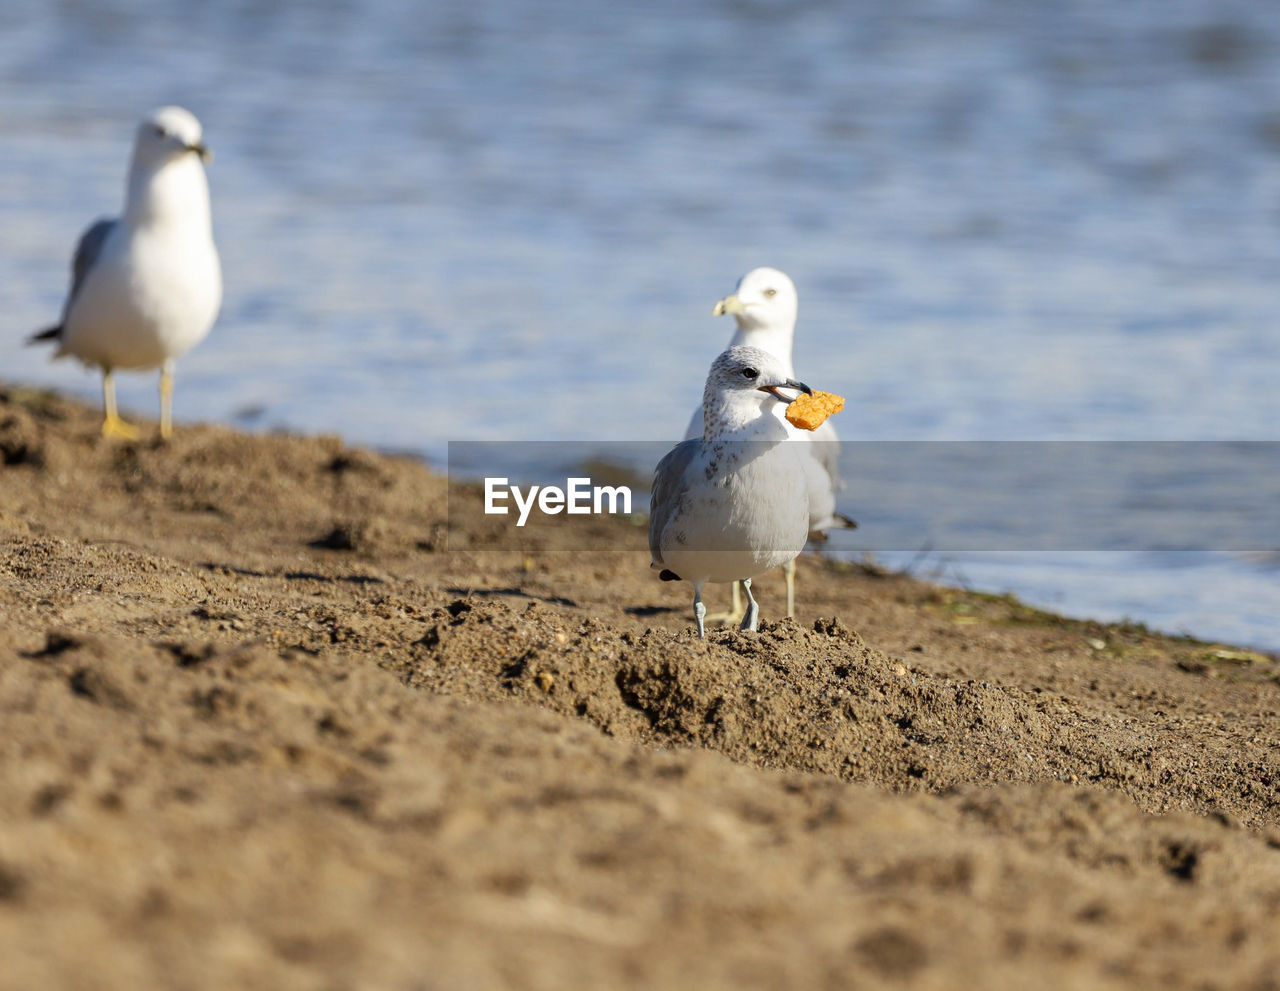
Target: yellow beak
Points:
(730, 304)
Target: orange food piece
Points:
(809, 412)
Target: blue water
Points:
(496, 220)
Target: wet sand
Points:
(267, 723)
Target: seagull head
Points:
(169, 134)
(745, 380)
(765, 299)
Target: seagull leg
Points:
(752, 619)
(166, 400)
(112, 425)
(789, 569)
(700, 613)
(734, 615)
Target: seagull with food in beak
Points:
(732, 503)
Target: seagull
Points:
(146, 286)
(731, 504)
(764, 305)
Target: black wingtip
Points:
(839, 522)
(48, 334)
(668, 576)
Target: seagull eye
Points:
(770, 292)
(159, 131)
(751, 373)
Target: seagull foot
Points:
(113, 426)
(751, 621)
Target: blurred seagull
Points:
(765, 306)
(146, 286)
(731, 504)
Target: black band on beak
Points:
(788, 384)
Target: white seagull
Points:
(146, 286)
(764, 305)
(731, 504)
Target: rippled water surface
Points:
(500, 220)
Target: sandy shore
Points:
(262, 730)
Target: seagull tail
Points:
(48, 334)
(836, 521)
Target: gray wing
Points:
(87, 252)
(86, 256)
(666, 494)
(826, 451)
